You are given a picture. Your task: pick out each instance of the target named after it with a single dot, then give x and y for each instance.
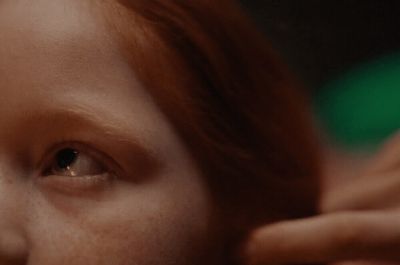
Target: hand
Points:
(358, 222)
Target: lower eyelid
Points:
(76, 186)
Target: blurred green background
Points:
(347, 53)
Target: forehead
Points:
(58, 56)
(57, 53)
(55, 19)
(45, 29)
(49, 44)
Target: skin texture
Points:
(64, 84)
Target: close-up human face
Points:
(91, 171)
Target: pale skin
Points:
(132, 194)
(359, 223)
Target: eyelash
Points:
(110, 166)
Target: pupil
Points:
(66, 158)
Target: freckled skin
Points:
(58, 54)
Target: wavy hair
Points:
(231, 100)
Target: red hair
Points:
(232, 102)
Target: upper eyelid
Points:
(84, 117)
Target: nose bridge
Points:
(13, 243)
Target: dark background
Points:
(320, 39)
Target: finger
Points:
(328, 238)
(381, 192)
(387, 158)
(377, 187)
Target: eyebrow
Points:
(114, 130)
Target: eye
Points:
(77, 170)
(73, 163)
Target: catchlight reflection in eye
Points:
(74, 163)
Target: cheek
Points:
(156, 223)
